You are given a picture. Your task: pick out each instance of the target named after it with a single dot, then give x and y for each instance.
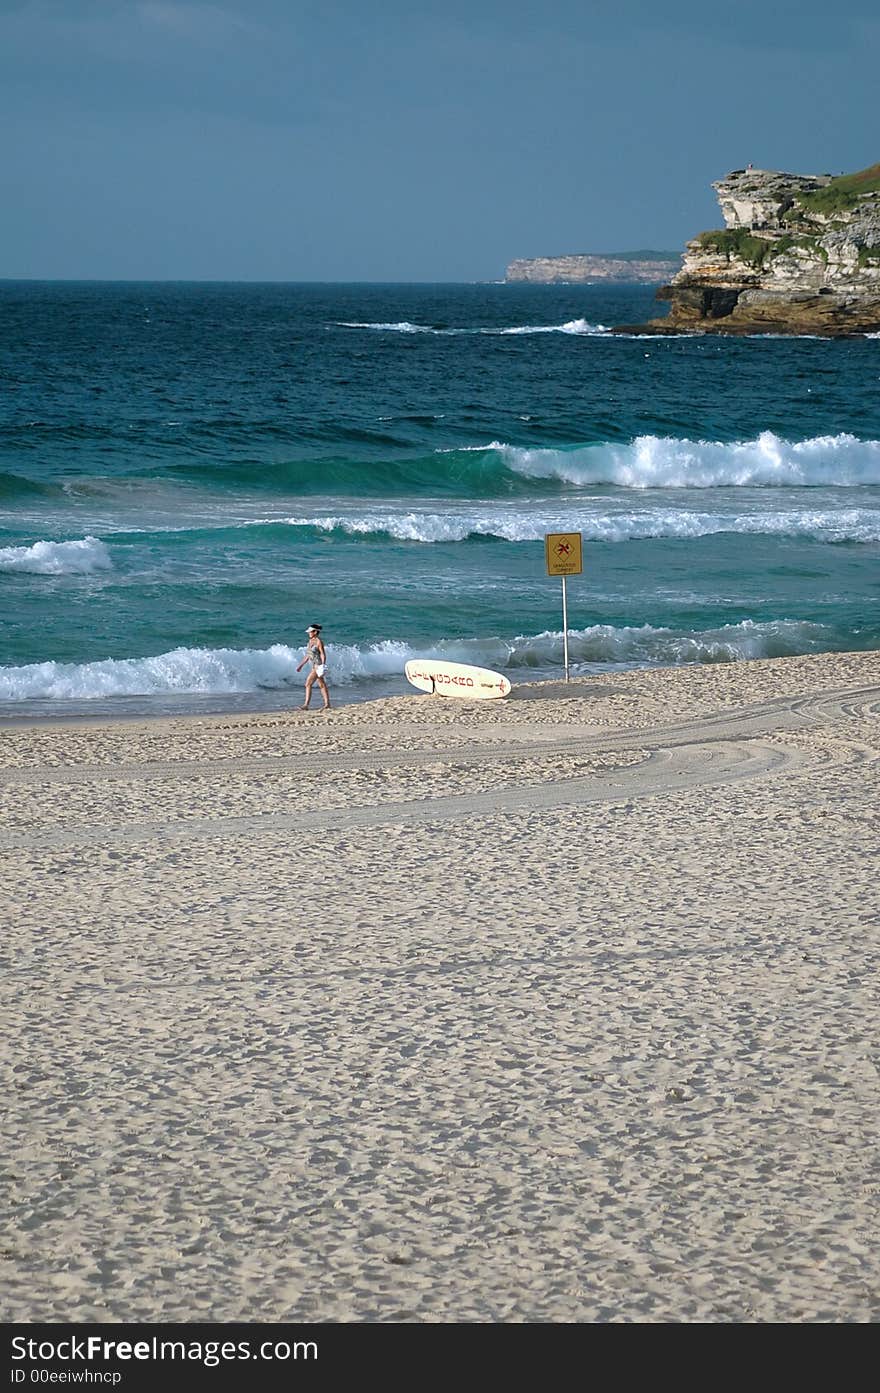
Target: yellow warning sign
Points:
(564, 553)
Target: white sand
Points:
(562, 1008)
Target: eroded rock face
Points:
(584, 268)
(758, 199)
(799, 254)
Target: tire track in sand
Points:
(723, 748)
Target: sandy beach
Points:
(561, 1008)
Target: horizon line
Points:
(232, 280)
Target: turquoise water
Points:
(189, 474)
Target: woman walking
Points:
(316, 654)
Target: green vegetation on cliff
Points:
(800, 254)
(757, 251)
(791, 243)
(738, 242)
(842, 194)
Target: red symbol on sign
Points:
(562, 548)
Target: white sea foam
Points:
(76, 558)
(192, 670)
(652, 461)
(187, 671)
(571, 326)
(402, 326)
(604, 644)
(530, 524)
(182, 670)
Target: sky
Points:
(405, 140)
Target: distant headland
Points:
(799, 254)
(580, 268)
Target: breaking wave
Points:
(497, 468)
(402, 326)
(189, 671)
(78, 558)
(849, 525)
(652, 461)
(571, 326)
(645, 645)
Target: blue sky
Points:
(333, 140)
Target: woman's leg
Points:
(310, 682)
(324, 693)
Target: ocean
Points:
(192, 473)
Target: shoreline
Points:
(559, 1007)
(798, 666)
(280, 704)
(742, 329)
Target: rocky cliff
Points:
(799, 254)
(585, 267)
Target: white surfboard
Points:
(456, 679)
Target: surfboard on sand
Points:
(456, 679)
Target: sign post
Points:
(563, 552)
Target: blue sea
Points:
(192, 473)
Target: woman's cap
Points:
(313, 629)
